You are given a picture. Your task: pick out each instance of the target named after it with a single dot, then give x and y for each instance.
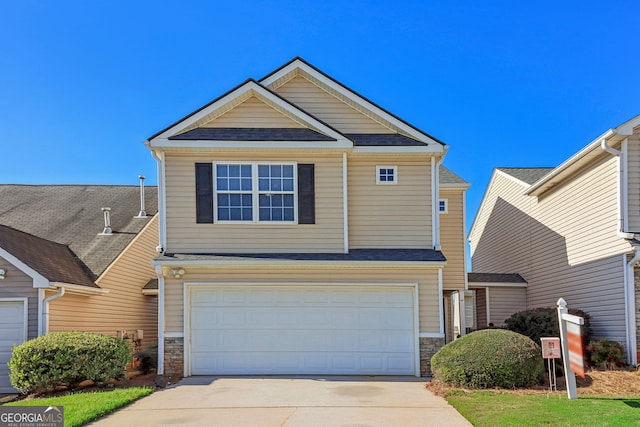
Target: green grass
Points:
(491, 409)
(80, 408)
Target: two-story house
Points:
(300, 233)
(571, 232)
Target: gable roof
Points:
(52, 260)
(187, 128)
(300, 64)
(526, 175)
(71, 216)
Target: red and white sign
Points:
(551, 348)
(576, 358)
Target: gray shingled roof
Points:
(383, 140)
(528, 175)
(151, 285)
(353, 255)
(253, 134)
(52, 260)
(71, 215)
(448, 177)
(495, 278)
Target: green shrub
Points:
(543, 322)
(148, 359)
(67, 358)
(489, 358)
(606, 354)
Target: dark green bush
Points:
(606, 354)
(148, 359)
(489, 358)
(67, 358)
(543, 322)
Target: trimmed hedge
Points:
(489, 358)
(67, 358)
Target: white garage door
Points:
(12, 331)
(302, 330)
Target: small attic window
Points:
(443, 206)
(386, 175)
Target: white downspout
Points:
(621, 187)
(162, 232)
(160, 369)
(630, 308)
(345, 204)
(45, 307)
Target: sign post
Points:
(551, 351)
(572, 357)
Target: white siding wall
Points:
(504, 302)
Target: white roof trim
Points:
(39, 281)
(301, 65)
(259, 91)
(399, 149)
(151, 292)
(615, 134)
(474, 285)
(299, 263)
(79, 289)
(341, 143)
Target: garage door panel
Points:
(12, 331)
(302, 330)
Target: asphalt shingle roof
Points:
(52, 260)
(71, 215)
(448, 177)
(528, 175)
(416, 255)
(495, 278)
(383, 140)
(252, 134)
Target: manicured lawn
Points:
(491, 409)
(80, 408)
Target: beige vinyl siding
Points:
(124, 307)
(481, 308)
(389, 216)
(427, 279)
(328, 108)
(253, 113)
(505, 301)
(184, 235)
(633, 182)
(17, 284)
(564, 243)
(452, 239)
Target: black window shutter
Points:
(306, 194)
(204, 193)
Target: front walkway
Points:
(290, 401)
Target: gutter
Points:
(622, 182)
(162, 226)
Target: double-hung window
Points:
(255, 192)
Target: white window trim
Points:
(255, 192)
(446, 206)
(395, 175)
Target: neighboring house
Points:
(302, 233)
(60, 271)
(571, 232)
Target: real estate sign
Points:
(576, 357)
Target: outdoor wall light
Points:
(3, 272)
(177, 272)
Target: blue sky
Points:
(503, 83)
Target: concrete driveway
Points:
(289, 402)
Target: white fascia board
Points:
(613, 135)
(300, 264)
(351, 95)
(455, 186)
(39, 281)
(259, 91)
(79, 289)
(340, 144)
(400, 149)
(150, 292)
